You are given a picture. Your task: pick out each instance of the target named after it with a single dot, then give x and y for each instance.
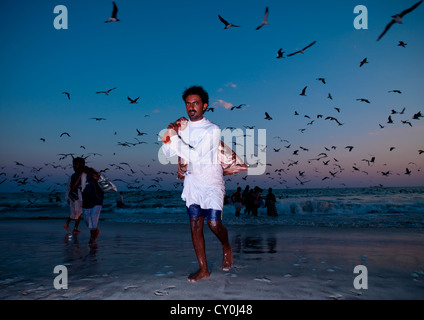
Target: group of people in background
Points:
(85, 198)
(252, 200)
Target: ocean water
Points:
(349, 207)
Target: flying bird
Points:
(417, 116)
(301, 51)
(364, 61)
(396, 91)
(237, 107)
(227, 24)
(133, 101)
(397, 18)
(98, 119)
(349, 147)
(113, 17)
(280, 54)
(265, 20)
(67, 93)
(322, 80)
(140, 133)
(106, 92)
(65, 133)
(334, 119)
(267, 116)
(402, 44)
(389, 119)
(303, 93)
(363, 100)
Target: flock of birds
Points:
(324, 157)
(27, 175)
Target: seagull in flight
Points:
(237, 107)
(363, 100)
(302, 50)
(264, 21)
(280, 54)
(140, 133)
(98, 119)
(397, 18)
(417, 115)
(267, 116)
(227, 24)
(133, 101)
(67, 93)
(303, 92)
(113, 17)
(363, 62)
(106, 92)
(402, 44)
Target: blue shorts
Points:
(194, 211)
(91, 216)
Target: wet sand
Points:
(151, 262)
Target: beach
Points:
(138, 261)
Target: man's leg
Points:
(77, 224)
(198, 239)
(66, 225)
(222, 234)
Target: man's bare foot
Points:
(227, 259)
(66, 226)
(194, 277)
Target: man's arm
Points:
(204, 152)
(92, 173)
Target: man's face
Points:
(78, 166)
(195, 107)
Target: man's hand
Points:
(182, 123)
(172, 131)
(173, 128)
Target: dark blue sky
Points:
(159, 48)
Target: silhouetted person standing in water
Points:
(73, 195)
(197, 141)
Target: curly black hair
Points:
(198, 91)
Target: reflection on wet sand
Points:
(254, 244)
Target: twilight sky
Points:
(159, 48)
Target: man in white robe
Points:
(197, 141)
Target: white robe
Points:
(204, 180)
